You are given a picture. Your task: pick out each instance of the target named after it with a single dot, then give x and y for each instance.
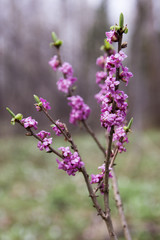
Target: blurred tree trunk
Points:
(92, 44)
(145, 66)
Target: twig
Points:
(90, 131)
(39, 139)
(119, 205)
(67, 135)
(113, 159)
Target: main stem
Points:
(109, 149)
(120, 206)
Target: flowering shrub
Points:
(113, 105)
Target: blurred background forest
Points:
(26, 28)
(38, 202)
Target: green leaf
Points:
(9, 110)
(36, 98)
(128, 127)
(121, 20)
(54, 37)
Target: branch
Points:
(67, 135)
(105, 217)
(90, 131)
(119, 205)
(31, 133)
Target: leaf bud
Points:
(19, 116)
(121, 20)
(112, 27)
(128, 127)
(58, 43)
(13, 121)
(124, 45)
(36, 98)
(125, 30)
(54, 37)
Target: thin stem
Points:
(113, 158)
(105, 217)
(119, 205)
(39, 139)
(67, 135)
(90, 131)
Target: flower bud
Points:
(124, 45)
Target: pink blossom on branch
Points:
(45, 143)
(111, 36)
(45, 104)
(98, 178)
(80, 111)
(65, 83)
(71, 162)
(56, 129)
(66, 69)
(120, 136)
(54, 63)
(29, 122)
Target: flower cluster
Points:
(64, 84)
(43, 102)
(56, 129)
(80, 111)
(54, 63)
(29, 122)
(113, 101)
(98, 178)
(120, 136)
(71, 162)
(45, 142)
(111, 36)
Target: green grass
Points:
(40, 202)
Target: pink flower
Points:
(99, 177)
(80, 111)
(56, 129)
(46, 142)
(54, 63)
(65, 83)
(125, 75)
(45, 104)
(100, 77)
(43, 134)
(66, 69)
(71, 162)
(111, 36)
(101, 61)
(120, 136)
(29, 122)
